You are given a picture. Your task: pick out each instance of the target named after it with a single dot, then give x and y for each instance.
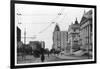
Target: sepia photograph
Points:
(46, 34)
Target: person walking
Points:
(42, 58)
(42, 55)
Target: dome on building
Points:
(75, 25)
(76, 22)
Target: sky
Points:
(38, 20)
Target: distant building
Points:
(43, 44)
(36, 48)
(86, 30)
(35, 44)
(59, 39)
(18, 34)
(73, 36)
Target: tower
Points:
(57, 28)
(73, 36)
(56, 37)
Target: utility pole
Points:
(25, 36)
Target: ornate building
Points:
(74, 36)
(86, 31)
(59, 39)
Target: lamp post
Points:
(25, 36)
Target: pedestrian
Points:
(42, 57)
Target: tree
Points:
(52, 50)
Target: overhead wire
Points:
(54, 21)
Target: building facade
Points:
(86, 31)
(59, 39)
(73, 36)
(18, 34)
(35, 45)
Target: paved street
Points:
(31, 59)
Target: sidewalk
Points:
(28, 59)
(71, 57)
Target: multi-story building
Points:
(35, 45)
(86, 31)
(18, 34)
(73, 36)
(19, 42)
(59, 39)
